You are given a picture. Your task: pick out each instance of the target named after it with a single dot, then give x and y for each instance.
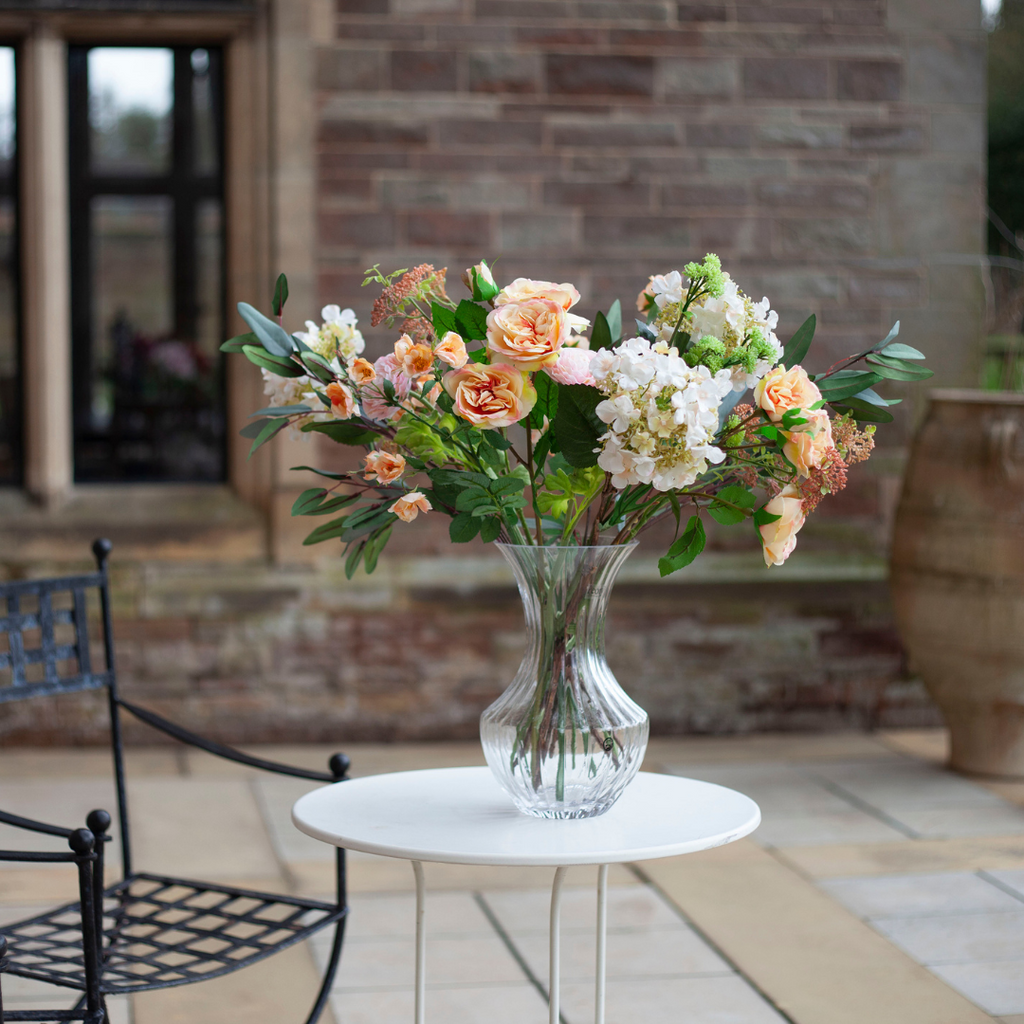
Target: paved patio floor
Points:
(880, 889)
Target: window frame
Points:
(42, 41)
(186, 191)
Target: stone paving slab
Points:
(864, 836)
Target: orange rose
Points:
(490, 396)
(528, 333)
(343, 402)
(779, 537)
(416, 360)
(362, 371)
(452, 350)
(384, 467)
(780, 390)
(410, 505)
(806, 446)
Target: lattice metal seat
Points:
(147, 931)
(162, 931)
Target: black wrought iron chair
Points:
(148, 931)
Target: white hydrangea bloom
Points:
(662, 415)
(667, 288)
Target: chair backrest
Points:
(38, 660)
(45, 649)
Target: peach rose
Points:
(779, 537)
(522, 288)
(410, 505)
(362, 371)
(452, 350)
(416, 360)
(806, 446)
(385, 467)
(780, 390)
(528, 333)
(490, 396)
(343, 402)
(645, 299)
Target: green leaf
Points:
(735, 495)
(463, 528)
(471, 497)
(797, 346)
(614, 319)
(343, 431)
(685, 549)
(282, 410)
(326, 531)
(280, 295)
(237, 343)
(547, 400)
(308, 499)
(490, 530)
(601, 333)
(273, 337)
(869, 395)
(834, 389)
(253, 429)
(889, 338)
(320, 472)
(496, 440)
(332, 505)
(443, 320)
(897, 369)
(318, 367)
(355, 554)
(270, 429)
(576, 427)
(769, 432)
(792, 418)
(275, 364)
(472, 319)
(763, 518)
(901, 351)
(643, 331)
(368, 524)
(375, 545)
(864, 412)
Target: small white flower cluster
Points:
(723, 326)
(661, 413)
(337, 338)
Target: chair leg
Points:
(332, 969)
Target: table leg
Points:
(554, 936)
(421, 943)
(602, 948)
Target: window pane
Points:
(131, 97)
(10, 386)
(209, 278)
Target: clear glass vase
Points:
(564, 740)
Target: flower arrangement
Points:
(524, 422)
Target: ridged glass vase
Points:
(564, 740)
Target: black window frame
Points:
(12, 187)
(183, 185)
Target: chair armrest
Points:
(338, 763)
(34, 826)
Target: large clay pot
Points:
(958, 573)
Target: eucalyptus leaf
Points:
(273, 337)
(271, 428)
(237, 343)
(889, 338)
(898, 350)
(282, 410)
(643, 331)
(614, 319)
(600, 334)
(280, 295)
(898, 369)
(343, 431)
(278, 365)
(863, 412)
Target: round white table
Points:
(461, 816)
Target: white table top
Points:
(461, 816)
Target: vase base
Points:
(575, 812)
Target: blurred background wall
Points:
(833, 152)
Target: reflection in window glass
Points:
(10, 397)
(131, 98)
(204, 113)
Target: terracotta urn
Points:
(958, 573)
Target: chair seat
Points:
(162, 931)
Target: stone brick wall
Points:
(832, 152)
